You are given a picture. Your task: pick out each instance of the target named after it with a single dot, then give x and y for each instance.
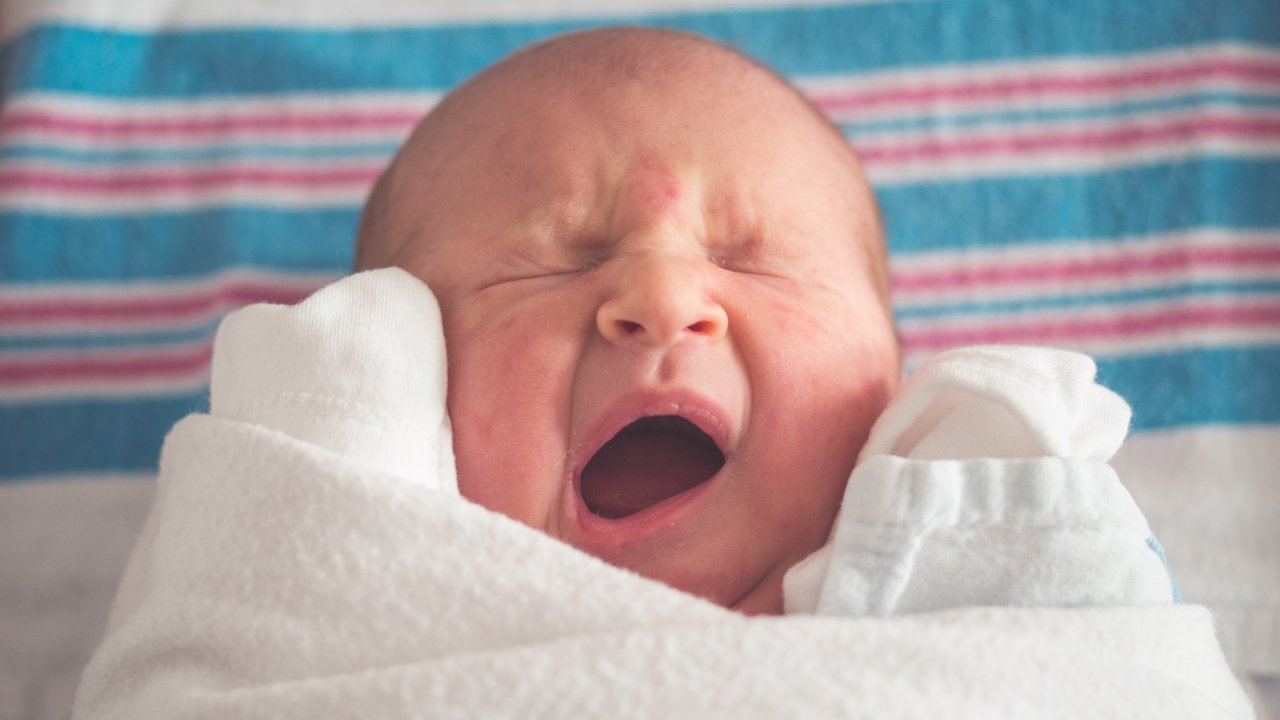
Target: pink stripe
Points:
(1091, 269)
(1102, 81)
(137, 180)
(173, 307)
(157, 364)
(1126, 136)
(1128, 326)
(275, 122)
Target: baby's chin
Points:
(700, 545)
(765, 599)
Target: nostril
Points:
(702, 327)
(629, 328)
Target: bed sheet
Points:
(1096, 175)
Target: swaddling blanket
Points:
(308, 555)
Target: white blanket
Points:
(308, 556)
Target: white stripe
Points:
(294, 103)
(130, 171)
(346, 197)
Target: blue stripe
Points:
(1081, 208)
(921, 217)
(374, 151)
(89, 435)
(1197, 387)
(796, 41)
(90, 339)
(952, 120)
(1191, 387)
(1104, 300)
(51, 248)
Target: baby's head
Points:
(663, 284)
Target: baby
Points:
(665, 302)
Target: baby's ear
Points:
(357, 368)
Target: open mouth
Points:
(651, 460)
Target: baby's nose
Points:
(661, 301)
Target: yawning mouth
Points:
(648, 461)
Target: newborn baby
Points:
(665, 303)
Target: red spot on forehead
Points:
(655, 186)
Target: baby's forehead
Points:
(547, 123)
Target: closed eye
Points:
(753, 267)
(543, 274)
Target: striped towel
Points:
(1102, 176)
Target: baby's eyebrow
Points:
(735, 226)
(550, 237)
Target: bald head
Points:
(621, 218)
(592, 61)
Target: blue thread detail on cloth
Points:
(1156, 548)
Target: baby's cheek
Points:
(792, 322)
(507, 400)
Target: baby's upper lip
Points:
(706, 414)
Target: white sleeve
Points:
(358, 368)
(985, 482)
(318, 372)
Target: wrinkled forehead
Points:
(528, 132)
(531, 139)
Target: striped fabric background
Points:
(1105, 178)
(1096, 174)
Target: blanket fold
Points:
(287, 572)
(383, 598)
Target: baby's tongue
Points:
(650, 460)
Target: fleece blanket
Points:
(308, 555)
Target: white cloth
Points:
(300, 563)
(985, 482)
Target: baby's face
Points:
(691, 254)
